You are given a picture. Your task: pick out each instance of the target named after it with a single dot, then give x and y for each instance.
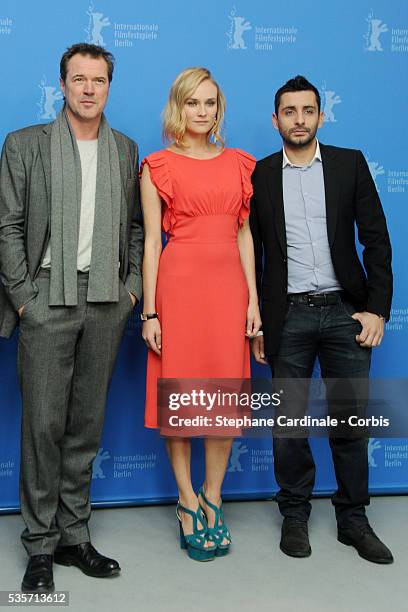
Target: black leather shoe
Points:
(294, 538)
(364, 540)
(38, 577)
(87, 558)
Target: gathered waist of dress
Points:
(210, 228)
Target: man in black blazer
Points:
(319, 301)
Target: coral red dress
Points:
(201, 293)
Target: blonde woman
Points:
(200, 299)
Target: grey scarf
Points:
(65, 213)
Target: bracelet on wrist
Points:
(146, 316)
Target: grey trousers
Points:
(66, 357)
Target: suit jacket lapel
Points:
(331, 188)
(45, 152)
(124, 165)
(276, 194)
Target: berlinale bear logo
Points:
(49, 96)
(97, 471)
(237, 450)
(238, 26)
(375, 29)
(97, 21)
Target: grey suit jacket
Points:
(25, 201)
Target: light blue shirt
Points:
(310, 267)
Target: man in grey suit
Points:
(71, 242)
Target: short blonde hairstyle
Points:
(174, 122)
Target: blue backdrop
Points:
(355, 53)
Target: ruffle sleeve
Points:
(247, 166)
(161, 179)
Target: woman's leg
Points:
(217, 452)
(179, 451)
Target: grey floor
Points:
(157, 575)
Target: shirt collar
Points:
(287, 162)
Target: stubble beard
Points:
(295, 143)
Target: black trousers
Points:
(328, 333)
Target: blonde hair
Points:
(174, 122)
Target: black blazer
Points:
(351, 200)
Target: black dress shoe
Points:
(87, 558)
(365, 541)
(38, 577)
(294, 538)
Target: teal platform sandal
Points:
(220, 531)
(195, 542)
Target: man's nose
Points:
(89, 88)
(300, 119)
